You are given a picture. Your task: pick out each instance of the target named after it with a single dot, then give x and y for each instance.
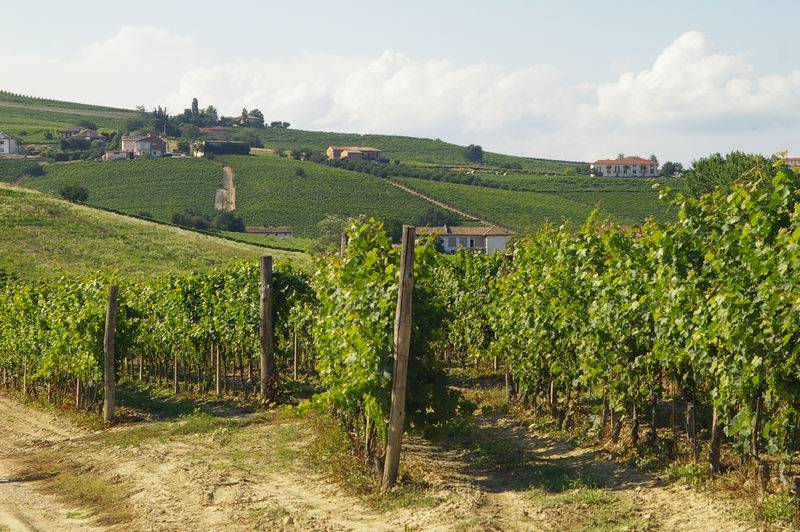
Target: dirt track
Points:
(253, 479)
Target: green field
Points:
(159, 187)
(269, 191)
(629, 201)
(34, 123)
(45, 238)
(405, 149)
(519, 211)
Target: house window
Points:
(472, 242)
(451, 242)
(616, 169)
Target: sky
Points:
(574, 80)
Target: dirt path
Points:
(446, 206)
(82, 112)
(225, 198)
(252, 478)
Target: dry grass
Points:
(79, 486)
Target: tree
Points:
(654, 158)
(195, 109)
(671, 169)
(210, 116)
(473, 153)
(74, 193)
(620, 156)
(255, 118)
(227, 221)
(88, 124)
(190, 132)
(721, 172)
(625, 168)
(244, 117)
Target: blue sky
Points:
(575, 80)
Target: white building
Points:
(149, 146)
(10, 145)
(628, 167)
(484, 239)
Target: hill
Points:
(45, 238)
(154, 188)
(522, 202)
(280, 191)
(405, 149)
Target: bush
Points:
(74, 193)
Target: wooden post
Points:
(175, 386)
(108, 355)
(343, 244)
(296, 352)
(402, 341)
(217, 368)
(268, 376)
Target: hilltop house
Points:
(628, 167)
(10, 145)
(149, 146)
(281, 231)
(354, 153)
(482, 239)
(70, 132)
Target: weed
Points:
(277, 512)
(556, 478)
(331, 452)
(773, 508)
(73, 515)
(692, 474)
(80, 486)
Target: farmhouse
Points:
(482, 239)
(628, 167)
(792, 162)
(354, 153)
(281, 231)
(9, 145)
(70, 132)
(149, 146)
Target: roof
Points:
(353, 148)
(462, 231)
(71, 129)
(212, 129)
(627, 160)
(7, 136)
(268, 229)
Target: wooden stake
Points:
(109, 393)
(268, 376)
(217, 369)
(296, 352)
(402, 341)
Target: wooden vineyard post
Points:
(268, 376)
(217, 368)
(296, 353)
(109, 392)
(343, 244)
(402, 341)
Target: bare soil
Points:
(225, 198)
(256, 477)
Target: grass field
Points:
(44, 238)
(519, 211)
(629, 201)
(159, 187)
(34, 123)
(270, 191)
(405, 149)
